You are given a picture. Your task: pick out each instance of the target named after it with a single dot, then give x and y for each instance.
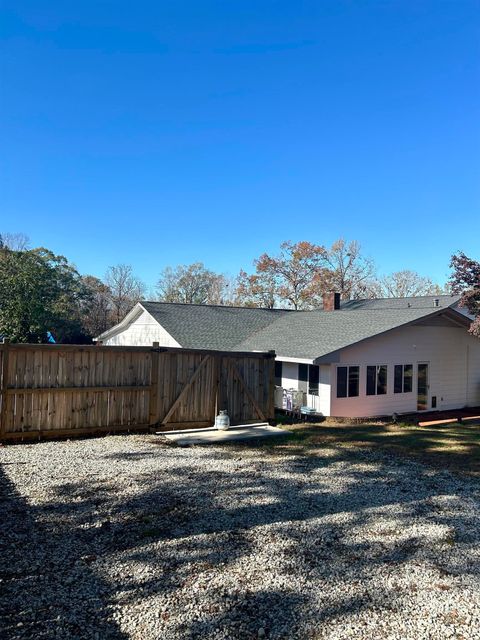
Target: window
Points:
(302, 377)
(342, 375)
(381, 380)
(353, 381)
(377, 380)
(313, 379)
(403, 378)
(278, 373)
(303, 372)
(407, 378)
(371, 380)
(348, 381)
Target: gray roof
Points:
(313, 334)
(305, 335)
(417, 302)
(211, 327)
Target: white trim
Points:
(300, 360)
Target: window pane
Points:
(303, 372)
(407, 378)
(398, 379)
(371, 380)
(422, 387)
(381, 380)
(353, 380)
(341, 382)
(303, 377)
(313, 378)
(278, 373)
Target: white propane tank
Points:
(222, 421)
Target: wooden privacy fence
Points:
(67, 390)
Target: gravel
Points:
(126, 537)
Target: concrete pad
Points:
(186, 437)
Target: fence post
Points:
(154, 384)
(215, 407)
(271, 387)
(3, 389)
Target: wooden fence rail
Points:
(67, 390)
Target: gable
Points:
(414, 343)
(138, 328)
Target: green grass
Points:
(454, 446)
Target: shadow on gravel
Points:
(187, 524)
(47, 586)
(270, 612)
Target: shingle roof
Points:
(294, 334)
(211, 327)
(417, 302)
(313, 334)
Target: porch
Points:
(297, 402)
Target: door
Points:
(422, 386)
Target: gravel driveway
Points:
(125, 537)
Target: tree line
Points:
(43, 296)
(296, 277)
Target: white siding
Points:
(290, 375)
(324, 389)
(454, 370)
(141, 332)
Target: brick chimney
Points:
(331, 301)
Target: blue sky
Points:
(166, 132)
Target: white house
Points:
(361, 358)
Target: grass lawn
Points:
(454, 447)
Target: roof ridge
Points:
(218, 306)
(430, 295)
(393, 309)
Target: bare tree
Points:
(222, 291)
(14, 241)
(404, 284)
(192, 284)
(125, 289)
(96, 310)
(348, 270)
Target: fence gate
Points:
(67, 390)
